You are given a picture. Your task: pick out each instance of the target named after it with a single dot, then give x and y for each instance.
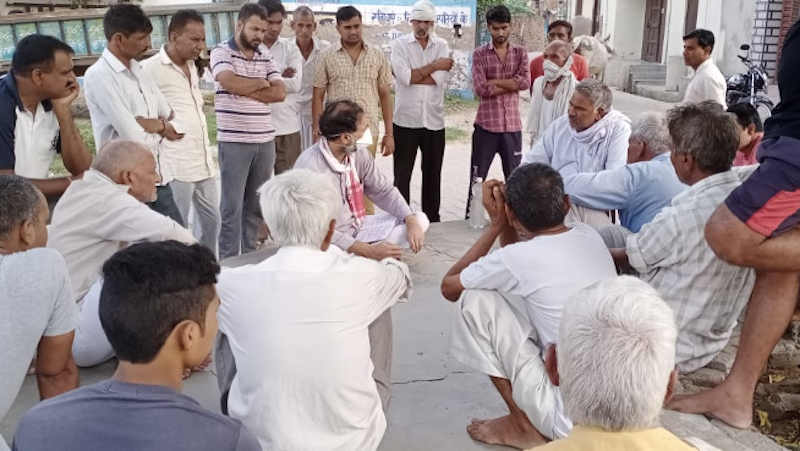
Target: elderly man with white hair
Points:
(97, 216)
(297, 324)
(550, 94)
(638, 190)
(589, 138)
(421, 64)
(615, 358)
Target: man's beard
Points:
(246, 43)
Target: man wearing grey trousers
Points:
(247, 82)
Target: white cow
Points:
(596, 52)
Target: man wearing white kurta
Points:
(591, 137)
(551, 93)
(98, 215)
(512, 300)
(708, 82)
(297, 325)
(310, 49)
(421, 63)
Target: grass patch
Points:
(453, 103)
(455, 134)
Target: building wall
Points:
(624, 22)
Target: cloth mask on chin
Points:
(553, 72)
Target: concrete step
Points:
(657, 92)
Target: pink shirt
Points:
(499, 113)
(747, 156)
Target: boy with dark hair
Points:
(123, 102)
(499, 71)
(512, 297)
(35, 118)
(158, 309)
(751, 132)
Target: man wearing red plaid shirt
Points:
(499, 71)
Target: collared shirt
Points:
(706, 294)
(604, 145)
(116, 95)
(639, 190)
(306, 93)
(285, 114)
(499, 113)
(97, 217)
(708, 83)
(28, 142)
(359, 81)
(239, 118)
(271, 313)
(416, 105)
(749, 155)
(584, 438)
(188, 159)
(375, 184)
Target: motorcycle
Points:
(750, 87)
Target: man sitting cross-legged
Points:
(37, 313)
(96, 217)
(671, 253)
(616, 367)
(511, 310)
(297, 324)
(589, 138)
(158, 308)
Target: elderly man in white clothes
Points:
(189, 161)
(97, 216)
(297, 324)
(310, 47)
(589, 138)
(708, 82)
(512, 298)
(671, 253)
(550, 94)
(615, 367)
(421, 63)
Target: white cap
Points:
(423, 10)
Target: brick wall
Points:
(789, 15)
(767, 31)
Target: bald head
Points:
(118, 156)
(557, 52)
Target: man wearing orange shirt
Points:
(560, 30)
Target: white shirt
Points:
(285, 114)
(546, 113)
(415, 105)
(708, 83)
(97, 217)
(297, 325)
(604, 145)
(36, 138)
(306, 92)
(188, 159)
(115, 95)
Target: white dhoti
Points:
(306, 132)
(385, 227)
(90, 346)
(585, 215)
(492, 334)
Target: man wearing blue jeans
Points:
(247, 81)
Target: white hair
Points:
(119, 155)
(298, 206)
(651, 128)
(616, 351)
(600, 94)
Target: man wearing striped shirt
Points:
(247, 82)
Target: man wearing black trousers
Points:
(420, 62)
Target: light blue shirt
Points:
(639, 190)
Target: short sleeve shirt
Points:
(36, 301)
(357, 81)
(239, 118)
(28, 142)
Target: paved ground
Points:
(456, 166)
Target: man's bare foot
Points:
(509, 430)
(734, 407)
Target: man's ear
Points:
(751, 129)
(187, 332)
(27, 233)
(551, 365)
(567, 204)
(672, 384)
(326, 243)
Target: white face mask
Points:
(552, 71)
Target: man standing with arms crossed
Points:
(247, 82)
(420, 62)
(353, 70)
(188, 161)
(310, 48)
